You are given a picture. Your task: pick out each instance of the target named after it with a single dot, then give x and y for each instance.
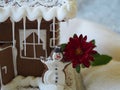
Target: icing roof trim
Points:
(65, 11)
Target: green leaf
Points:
(101, 59)
(93, 41)
(78, 69)
(83, 66)
(63, 46)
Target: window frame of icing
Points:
(32, 31)
(54, 31)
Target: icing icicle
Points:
(13, 32)
(1, 77)
(24, 28)
(39, 23)
(14, 50)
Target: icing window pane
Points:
(33, 49)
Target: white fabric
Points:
(106, 77)
(107, 42)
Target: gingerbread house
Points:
(29, 29)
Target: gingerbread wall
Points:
(25, 67)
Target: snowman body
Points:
(55, 73)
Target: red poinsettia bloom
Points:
(79, 51)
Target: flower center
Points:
(78, 51)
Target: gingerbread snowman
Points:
(55, 73)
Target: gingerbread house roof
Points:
(37, 9)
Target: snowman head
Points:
(57, 54)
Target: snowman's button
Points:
(56, 77)
(56, 68)
(56, 81)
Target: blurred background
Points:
(104, 12)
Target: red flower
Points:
(79, 51)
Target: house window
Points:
(31, 48)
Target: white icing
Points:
(14, 53)
(64, 11)
(14, 50)
(39, 24)
(24, 28)
(1, 83)
(5, 69)
(13, 32)
(55, 69)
